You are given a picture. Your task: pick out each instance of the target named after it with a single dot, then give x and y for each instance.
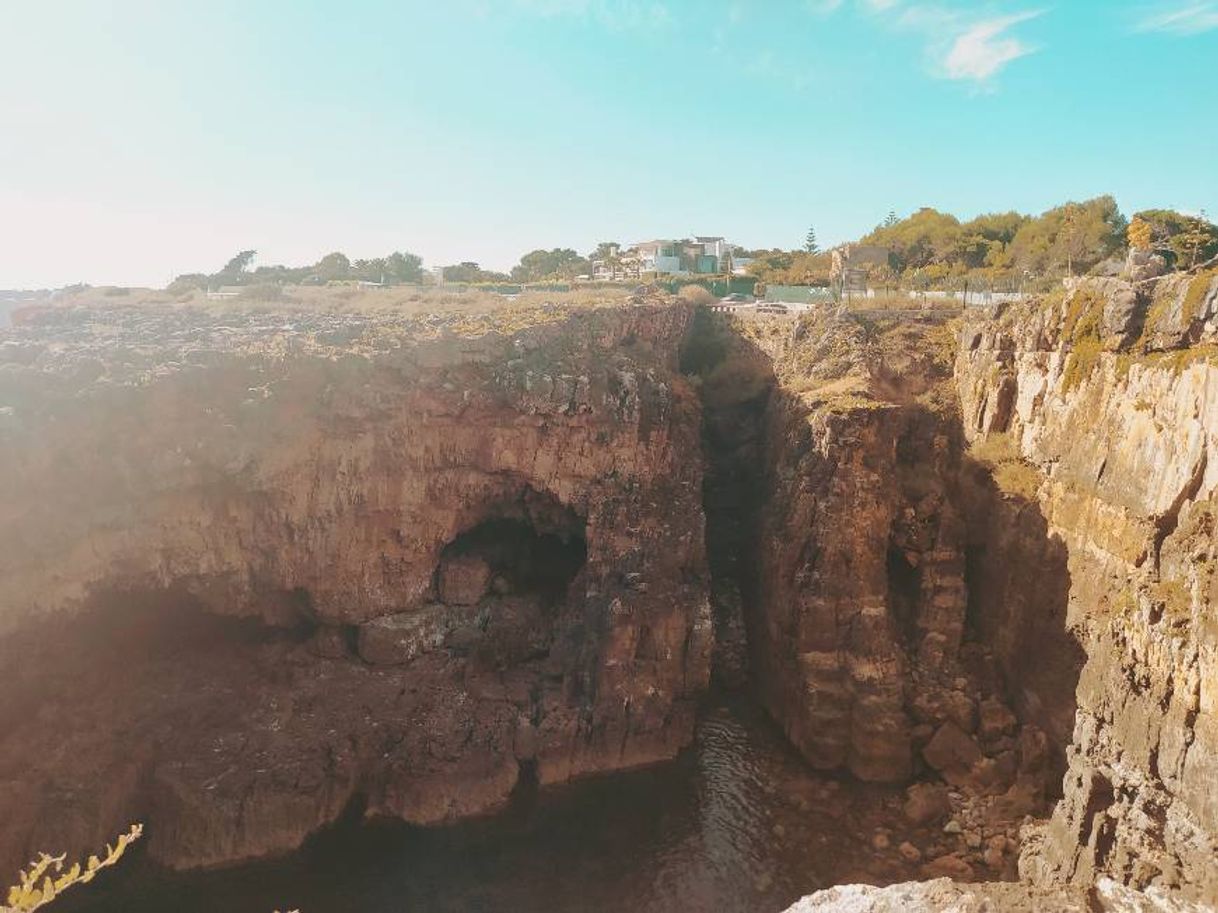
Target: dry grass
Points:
(1011, 473)
(392, 301)
(696, 294)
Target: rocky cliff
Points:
(997, 573)
(258, 568)
(1108, 393)
(854, 516)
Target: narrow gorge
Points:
(269, 573)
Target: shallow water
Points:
(737, 823)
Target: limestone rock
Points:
(1125, 440)
(943, 895)
(397, 639)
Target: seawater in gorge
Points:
(737, 823)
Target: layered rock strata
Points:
(258, 568)
(856, 534)
(1108, 392)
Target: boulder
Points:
(396, 639)
(1141, 265)
(949, 866)
(952, 752)
(926, 803)
(995, 719)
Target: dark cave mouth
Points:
(530, 546)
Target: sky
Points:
(140, 139)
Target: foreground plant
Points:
(47, 878)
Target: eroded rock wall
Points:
(249, 571)
(1110, 392)
(857, 604)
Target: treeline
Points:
(790, 267)
(1066, 240)
(395, 269)
(930, 246)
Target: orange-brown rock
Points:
(258, 567)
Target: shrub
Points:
(265, 291)
(46, 878)
(696, 294)
(1012, 474)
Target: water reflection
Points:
(736, 824)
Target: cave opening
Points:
(529, 545)
(509, 556)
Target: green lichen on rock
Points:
(1195, 294)
(1082, 329)
(1011, 473)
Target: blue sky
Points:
(144, 138)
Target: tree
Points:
(465, 271)
(928, 236)
(1070, 239)
(810, 246)
(559, 263)
(609, 253)
(188, 282)
(1181, 237)
(332, 266)
(1139, 234)
(469, 271)
(890, 220)
(1075, 236)
(239, 264)
(404, 267)
(1198, 238)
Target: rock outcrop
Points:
(258, 568)
(847, 512)
(941, 895)
(1108, 394)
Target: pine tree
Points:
(1197, 237)
(891, 219)
(810, 244)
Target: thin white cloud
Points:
(983, 49)
(1191, 19)
(960, 44)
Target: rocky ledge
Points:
(262, 568)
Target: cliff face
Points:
(856, 535)
(1110, 394)
(860, 591)
(259, 567)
